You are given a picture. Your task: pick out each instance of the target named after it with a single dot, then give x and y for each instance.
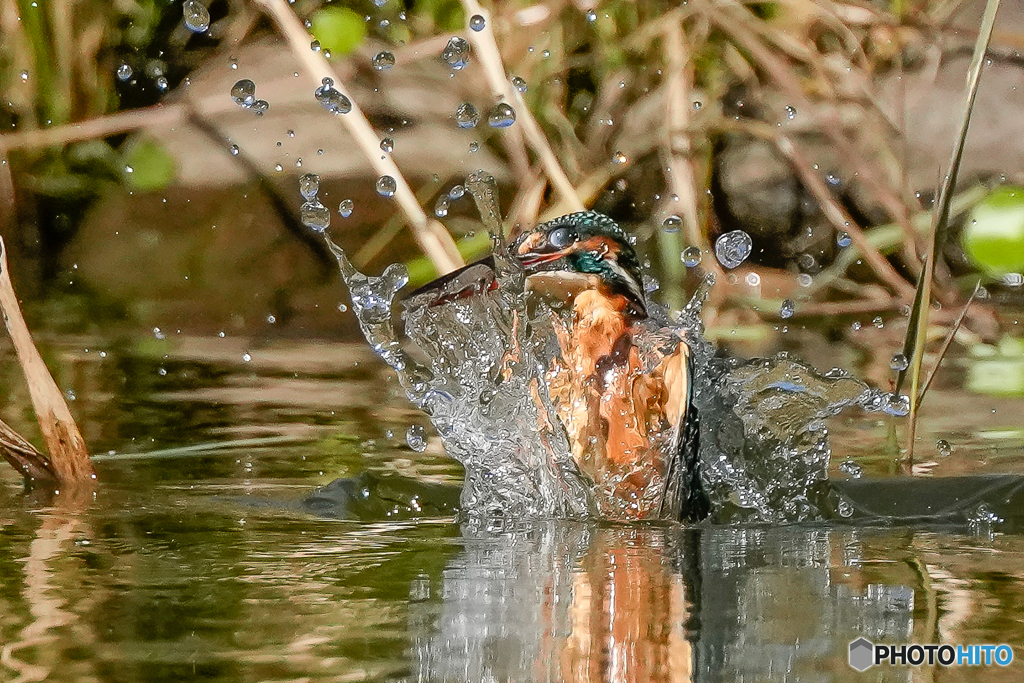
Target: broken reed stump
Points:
(68, 463)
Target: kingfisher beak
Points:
(531, 261)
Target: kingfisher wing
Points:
(684, 497)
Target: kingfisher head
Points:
(578, 251)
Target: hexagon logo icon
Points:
(862, 654)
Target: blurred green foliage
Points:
(994, 234)
(338, 29)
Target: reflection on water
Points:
(201, 565)
(585, 603)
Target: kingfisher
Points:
(621, 383)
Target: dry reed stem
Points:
(678, 139)
(840, 219)
(490, 58)
(99, 127)
(68, 456)
(432, 237)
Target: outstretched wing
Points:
(684, 498)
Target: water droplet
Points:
(466, 115)
(24, 75)
(591, 16)
(441, 207)
(733, 248)
(315, 46)
(332, 99)
(387, 145)
(416, 437)
(70, 395)
(697, 105)
(790, 112)
(843, 240)
(943, 447)
(383, 61)
(899, 362)
(691, 257)
(672, 223)
(260, 107)
(246, 357)
(162, 84)
(878, 322)
(244, 93)
(753, 279)
(315, 216)
(502, 115)
(124, 72)
(787, 309)
(1013, 280)
(309, 185)
(457, 192)
(619, 158)
(474, 147)
(386, 186)
(197, 17)
(456, 53)
(519, 84)
(844, 508)
(898, 405)
(234, 150)
(851, 469)
(477, 22)
(346, 207)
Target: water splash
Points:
(480, 371)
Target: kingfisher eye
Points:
(560, 238)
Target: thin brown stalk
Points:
(948, 341)
(501, 88)
(99, 127)
(678, 143)
(838, 216)
(916, 332)
(432, 237)
(68, 455)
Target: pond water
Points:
(203, 556)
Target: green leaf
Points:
(152, 167)
(339, 29)
(994, 236)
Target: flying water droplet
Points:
(787, 309)
(346, 207)
(309, 185)
(733, 248)
(387, 145)
(234, 150)
(383, 61)
(457, 192)
(943, 447)
(844, 508)
(124, 72)
(441, 207)
(244, 93)
(790, 112)
(519, 84)
(456, 53)
(162, 84)
(691, 257)
(416, 437)
(899, 362)
(477, 22)
(386, 186)
(315, 46)
(672, 223)
(260, 107)
(851, 469)
(619, 158)
(466, 115)
(332, 99)
(315, 216)
(502, 115)
(197, 17)
(474, 147)
(591, 16)
(843, 240)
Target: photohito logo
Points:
(864, 654)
